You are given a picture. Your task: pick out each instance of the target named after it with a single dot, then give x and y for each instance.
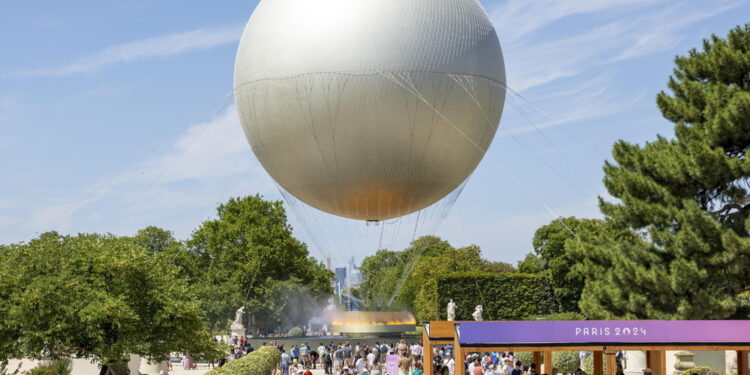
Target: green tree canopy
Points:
(530, 264)
(682, 211)
(418, 266)
(495, 266)
(428, 270)
(95, 296)
(248, 257)
(156, 240)
(382, 273)
(552, 244)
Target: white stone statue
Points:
(477, 313)
(451, 310)
(237, 323)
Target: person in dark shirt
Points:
(328, 361)
(518, 370)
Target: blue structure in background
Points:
(345, 279)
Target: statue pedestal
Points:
(237, 330)
(149, 368)
(684, 362)
(636, 362)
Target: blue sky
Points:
(116, 115)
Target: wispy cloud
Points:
(575, 102)
(203, 151)
(175, 187)
(161, 46)
(533, 64)
(518, 18)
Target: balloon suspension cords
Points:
(447, 203)
(405, 83)
(410, 87)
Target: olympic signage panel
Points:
(605, 332)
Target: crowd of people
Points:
(371, 359)
(489, 363)
(347, 359)
(502, 363)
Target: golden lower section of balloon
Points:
(370, 147)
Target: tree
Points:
(380, 274)
(551, 244)
(248, 257)
(490, 266)
(425, 249)
(415, 270)
(383, 272)
(156, 240)
(95, 296)
(682, 248)
(430, 268)
(530, 264)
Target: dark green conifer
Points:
(683, 202)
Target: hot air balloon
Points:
(369, 109)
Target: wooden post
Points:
(548, 365)
(660, 367)
(598, 362)
(459, 357)
(538, 361)
(742, 363)
(427, 353)
(611, 363)
(656, 360)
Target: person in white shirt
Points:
(451, 365)
(371, 357)
(360, 365)
(507, 368)
(321, 352)
(416, 352)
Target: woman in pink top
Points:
(477, 370)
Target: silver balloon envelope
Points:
(369, 109)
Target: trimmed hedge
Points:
(588, 364)
(526, 358)
(55, 368)
(566, 362)
(699, 370)
(259, 362)
(504, 296)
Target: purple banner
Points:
(610, 331)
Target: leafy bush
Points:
(259, 362)
(588, 364)
(55, 368)
(699, 370)
(525, 357)
(566, 362)
(504, 296)
(213, 352)
(561, 316)
(295, 332)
